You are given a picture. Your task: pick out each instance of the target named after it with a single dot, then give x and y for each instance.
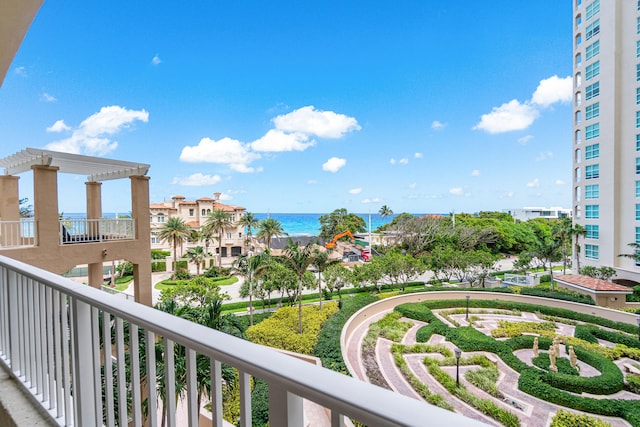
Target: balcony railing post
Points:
(285, 409)
(83, 372)
(14, 329)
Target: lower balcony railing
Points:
(81, 230)
(53, 336)
(16, 234)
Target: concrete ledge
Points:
(16, 408)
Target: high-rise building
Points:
(606, 132)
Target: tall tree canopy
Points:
(339, 221)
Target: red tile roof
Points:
(596, 285)
(193, 223)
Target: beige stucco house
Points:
(194, 213)
(605, 294)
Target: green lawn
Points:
(168, 283)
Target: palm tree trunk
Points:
(220, 251)
(175, 257)
(300, 303)
(320, 288)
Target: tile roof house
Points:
(604, 293)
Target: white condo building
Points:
(606, 137)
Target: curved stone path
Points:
(532, 412)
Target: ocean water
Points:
(294, 224)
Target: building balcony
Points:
(18, 234)
(53, 333)
(96, 230)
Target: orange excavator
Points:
(332, 243)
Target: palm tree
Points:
(251, 267)
(576, 231)
(321, 262)
(562, 231)
(269, 228)
(385, 211)
(196, 256)
(175, 232)
(250, 221)
(218, 222)
(298, 259)
(636, 252)
(547, 251)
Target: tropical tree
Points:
(175, 232)
(336, 276)
(339, 221)
(321, 261)
(385, 211)
(561, 230)
(577, 231)
(218, 222)
(249, 221)
(547, 251)
(269, 228)
(196, 256)
(636, 252)
(298, 259)
(251, 267)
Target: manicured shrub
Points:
(157, 266)
(564, 365)
(569, 419)
(561, 295)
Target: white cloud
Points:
(197, 179)
(560, 182)
(48, 98)
(475, 172)
(324, 124)
(373, 200)
(516, 115)
(392, 161)
(58, 126)
(456, 191)
(418, 155)
(225, 196)
(413, 185)
(156, 60)
(355, 191)
(544, 156)
(525, 139)
(534, 184)
(438, 125)
(334, 164)
(91, 137)
(276, 141)
(403, 161)
(552, 90)
(312, 182)
(510, 116)
(20, 71)
(225, 151)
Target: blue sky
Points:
(289, 106)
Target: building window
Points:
(638, 189)
(592, 191)
(637, 211)
(637, 166)
(208, 211)
(229, 236)
(592, 131)
(592, 70)
(578, 79)
(593, 9)
(638, 49)
(578, 60)
(592, 231)
(593, 29)
(638, 95)
(578, 194)
(637, 119)
(592, 211)
(578, 21)
(578, 98)
(592, 111)
(638, 242)
(150, 218)
(591, 251)
(577, 175)
(638, 25)
(192, 212)
(578, 117)
(578, 156)
(592, 90)
(578, 136)
(160, 217)
(592, 151)
(638, 72)
(203, 212)
(592, 50)
(638, 142)
(592, 171)
(578, 40)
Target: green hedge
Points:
(592, 333)
(327, 347)
(565, 296)
(157, 266)
(182, 264)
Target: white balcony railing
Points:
(81, 230)
(16, 234)
(53, 332)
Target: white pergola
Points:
(96, 168)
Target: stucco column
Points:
(9, 209)
(94, 211)
(140, 214)
(45, 204)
